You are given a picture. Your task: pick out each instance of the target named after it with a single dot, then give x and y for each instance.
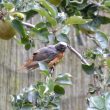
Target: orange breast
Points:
(56, 59)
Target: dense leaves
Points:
(99, 102)
(43, 95)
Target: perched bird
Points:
(51, 55)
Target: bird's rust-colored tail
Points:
(30, 64)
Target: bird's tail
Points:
(30, 64)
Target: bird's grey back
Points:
(45, 53)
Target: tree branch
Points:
(78, 55)
(70, 47)
(28, 25)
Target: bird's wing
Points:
(45, 54)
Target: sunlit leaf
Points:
(8, 6)
(52, 10)
(44, 13)
(18, 15)
(55, 2)
(76, 20)
(107, 3)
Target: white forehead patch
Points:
(63, 43)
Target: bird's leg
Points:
(52, 69)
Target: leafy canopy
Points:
(57, 17)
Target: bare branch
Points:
(78, 55)
(28, 25)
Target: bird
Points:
(51, 55)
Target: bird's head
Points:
(61, 46)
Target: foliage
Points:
(86, 17)
(43, 95)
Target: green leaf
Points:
(103, 19)
(107, 101)
(65, 30)
(107, 3)
(59, 90)
(8, 6)
(97, 102)
(102, 39)
(63, 38)
(33, 96)
(63, 79)
(65, 3)
(55, 2)
(90, 54)
(42, 32)
(45, 72)
(44, 13)
(76, 20)
(27, 46)
(30, 13)
(41, 25)
(51, 84)
(52, 10)
(87, 28)
(108, 62)
(89, 69)
(41, 90)
(24, 40)
(19, 27)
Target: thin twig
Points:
(78, 55)
(28, 25)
